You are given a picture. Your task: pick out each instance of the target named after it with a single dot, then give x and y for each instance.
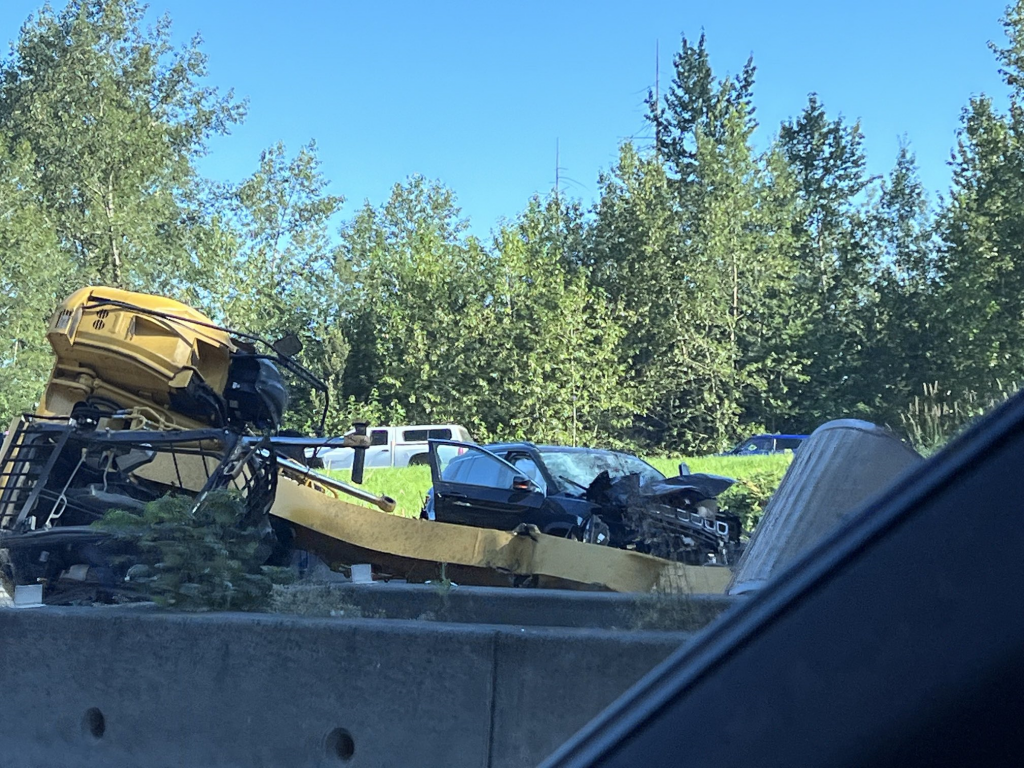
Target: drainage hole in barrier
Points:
(339, 745)
(93, 723)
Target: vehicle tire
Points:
(419, 460)
(595, 531)
(283, 540)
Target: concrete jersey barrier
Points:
(129, 687)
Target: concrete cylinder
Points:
(839, 467)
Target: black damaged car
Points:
(596, 496)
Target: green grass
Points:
(408, 486)
(731, 466)
(757, 477)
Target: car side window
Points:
(422, 435)
(788, 444)
(379, 437)
(470, 466)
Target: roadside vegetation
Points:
(733, 278)
(408, 486)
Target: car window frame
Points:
(435, 470)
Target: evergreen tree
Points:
(827, 161)
(693, 241)
(980, 265)
(415, 322)
(900, 357)
(554, 338)
(698, 105)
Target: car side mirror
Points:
(684, 469)
(522, 483)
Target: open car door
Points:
(472, 486)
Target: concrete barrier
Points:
(501, 605)
(546, 681)
(128, 687)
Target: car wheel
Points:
(595, 531)
(419, 460)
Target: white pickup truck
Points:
(393, 446)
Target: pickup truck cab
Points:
(395, 446)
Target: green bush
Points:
(210, 560)
(751, 494)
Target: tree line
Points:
(712, 290)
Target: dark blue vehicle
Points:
(762, 445)
(592, 495)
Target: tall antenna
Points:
(556, 170)
(657, 98)
(572, 331)
(558, 200)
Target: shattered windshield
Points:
(576, 470)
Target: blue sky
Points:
(476, 94)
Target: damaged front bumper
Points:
(676, 518)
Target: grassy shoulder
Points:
(757, 478)
(408, 486)
(739, 467)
